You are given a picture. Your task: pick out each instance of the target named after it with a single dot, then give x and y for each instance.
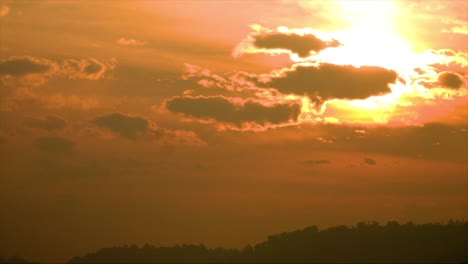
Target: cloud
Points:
(47, 123)
(317, 162)
(55, 144)
(91, 68)
(137, 127)
(27, 71)
(369, 161)
(450, 80)
(302, 45)
(130, 42)
(235, 111)
(457, 26)
(4, 10)
(298, 43)
(25, 65)
(130, 127)
(328, 81)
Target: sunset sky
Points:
(222, 122)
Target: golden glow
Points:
(372, 39)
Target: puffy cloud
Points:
(235, 111)
(298, 43)
(55, 144)
(370, 161)
(130, 42)
(137, 127)
(302, 45)
(25, 65)
(130, 127)
(91, 68)
(328, 81)
(47, 123)
(4, 10)
(450, 80)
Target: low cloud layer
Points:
(234, 111)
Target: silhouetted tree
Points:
(364, 243)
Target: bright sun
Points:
(372, 39)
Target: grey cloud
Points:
(302, 45)
(329, 81)
(225, 110)
(20, 66)
(55, 144)
(130, 127)
(47, 123)
(450, 80)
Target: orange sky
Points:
(222, 122)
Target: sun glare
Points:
(372, 39)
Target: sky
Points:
(223, 122)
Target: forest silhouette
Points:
(363, 243)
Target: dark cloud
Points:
(370, 161)
(130, 127)
(450, 80)
(317, 162)
(302, 45)
(55, 144)
(20, 66)
(233, 110)
(47, 123)
(329, 81)
(137, 127)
